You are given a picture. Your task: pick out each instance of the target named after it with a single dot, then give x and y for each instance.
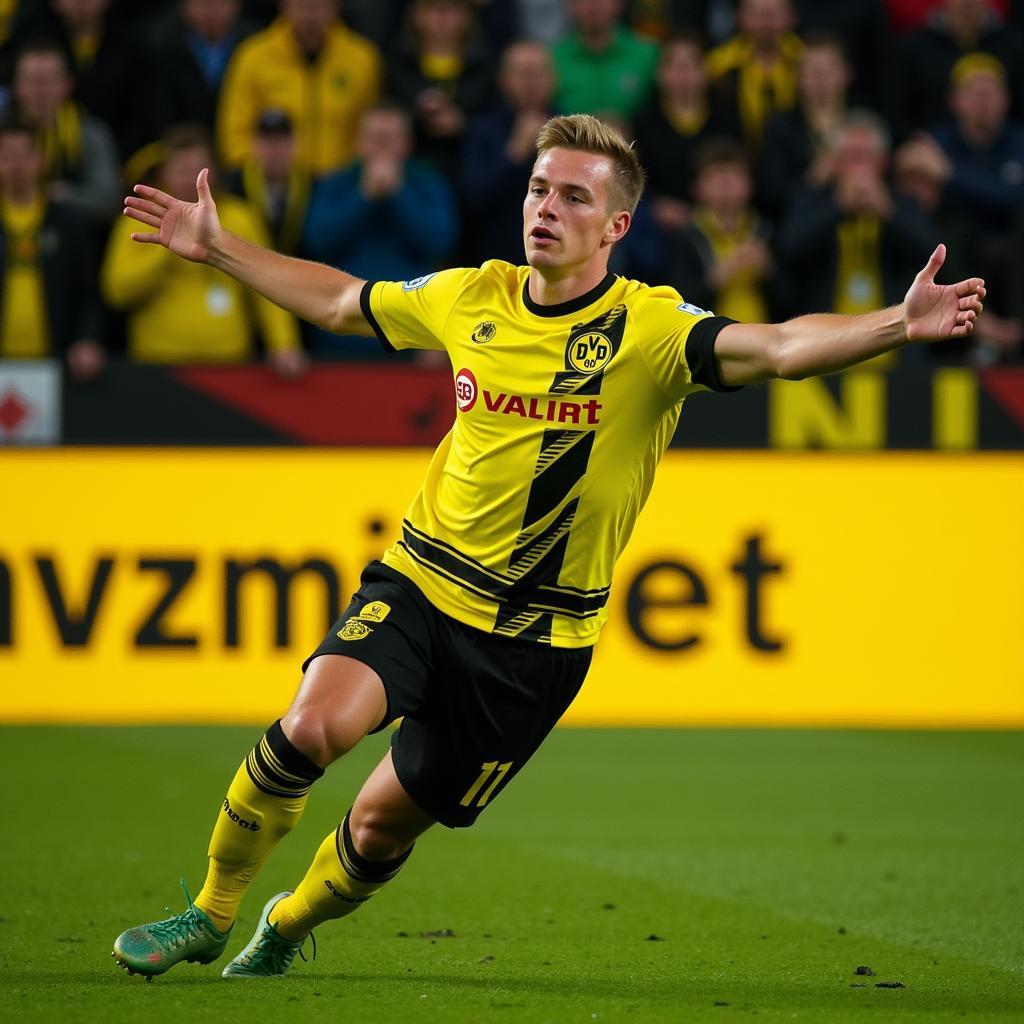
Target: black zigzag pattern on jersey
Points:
(453, 565)
(563, 459)
(526, 625)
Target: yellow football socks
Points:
(338, 881)
(264, 803)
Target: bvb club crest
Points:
(483, 332)
(589, 352)
(354, 630)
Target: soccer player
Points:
(477, 627)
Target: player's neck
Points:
(551, 291)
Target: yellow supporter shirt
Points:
(24, 325)
(188, 312)
(743, 297)
(563, 414)
(324, 98)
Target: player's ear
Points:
(617, 226)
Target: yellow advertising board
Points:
(758, 588)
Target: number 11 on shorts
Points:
(490, 771)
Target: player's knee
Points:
(375, 837)
(316, 735)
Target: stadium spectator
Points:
(387, 215)
(499, 152)
(309, 64)
(976, 165)
(378, 20)
(188, 312)
(672, 126)
(861, 26)
(112, 70)
(543, 21)
(721, 259)
(443, 72)
(49, 305)
(796, 141)
(81, 165)
(853, 243)
(924, 59)
(662, 19)
(193, 52)
(755, 72)
(274, 185)
(602, 67)
(19, 20)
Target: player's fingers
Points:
(970, 287)
(970, 302)
(143, 218)
(148, 192)
(145, 205)
(145, 236)
(931, 268)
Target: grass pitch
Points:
(625, 876)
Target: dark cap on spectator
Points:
(274, 122)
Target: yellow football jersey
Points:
(563, 414)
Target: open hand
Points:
(935, 312)
(187, 229)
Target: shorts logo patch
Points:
(354, 630)
(375, 611)
(465, 390)
(589, 353)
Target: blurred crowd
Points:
(803, 155)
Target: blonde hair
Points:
(589, 135)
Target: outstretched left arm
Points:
(823, 343)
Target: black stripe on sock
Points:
(293, 773)
(292, 758)
(360, 867)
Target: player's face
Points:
(568, 215)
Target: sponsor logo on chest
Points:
(505, 403)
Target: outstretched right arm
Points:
(313, 291)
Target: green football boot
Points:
(268, 954)
(154, 948)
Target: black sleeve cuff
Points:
(364, 305)
(700, 353)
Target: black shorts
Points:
(474, 707)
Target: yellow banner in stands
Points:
(765, 589)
